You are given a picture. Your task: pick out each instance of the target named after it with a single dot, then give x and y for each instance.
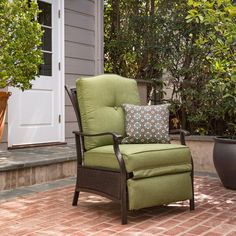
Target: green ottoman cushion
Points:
(159, 190)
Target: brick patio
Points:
(49, 212)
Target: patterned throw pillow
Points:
(146, 124)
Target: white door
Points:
(36, 116)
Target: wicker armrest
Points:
(116, 141)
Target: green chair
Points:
(136, 175)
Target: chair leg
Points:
(76, 197)
(192, 204)
(191, 201)
(124, 220)
(124, 211)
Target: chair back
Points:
(98, 106)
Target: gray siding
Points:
(79, 50)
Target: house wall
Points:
(83, 48)
(83, 51)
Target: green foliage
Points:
(20, 38)
(132, 40)
(218, 37)
(193, 41)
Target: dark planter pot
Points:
(224, 157)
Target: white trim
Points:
(62, 72)
(61, 59)
(99, 57)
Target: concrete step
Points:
(29, 166)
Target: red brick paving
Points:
(50, 213)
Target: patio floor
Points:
(46, 210)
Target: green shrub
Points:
(194, 41)
(20, 38)
(218, 37)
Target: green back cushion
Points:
(100, 99)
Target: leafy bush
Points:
(194, 41)
(20, 38)
(217, 37)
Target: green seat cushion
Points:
(144, 160)
(100, 99)
(159, 190)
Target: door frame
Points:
(61, 50)
(61, 72)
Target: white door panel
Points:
(34, 116)
(40, 100)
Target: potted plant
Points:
(20, 55)
(219, 37)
